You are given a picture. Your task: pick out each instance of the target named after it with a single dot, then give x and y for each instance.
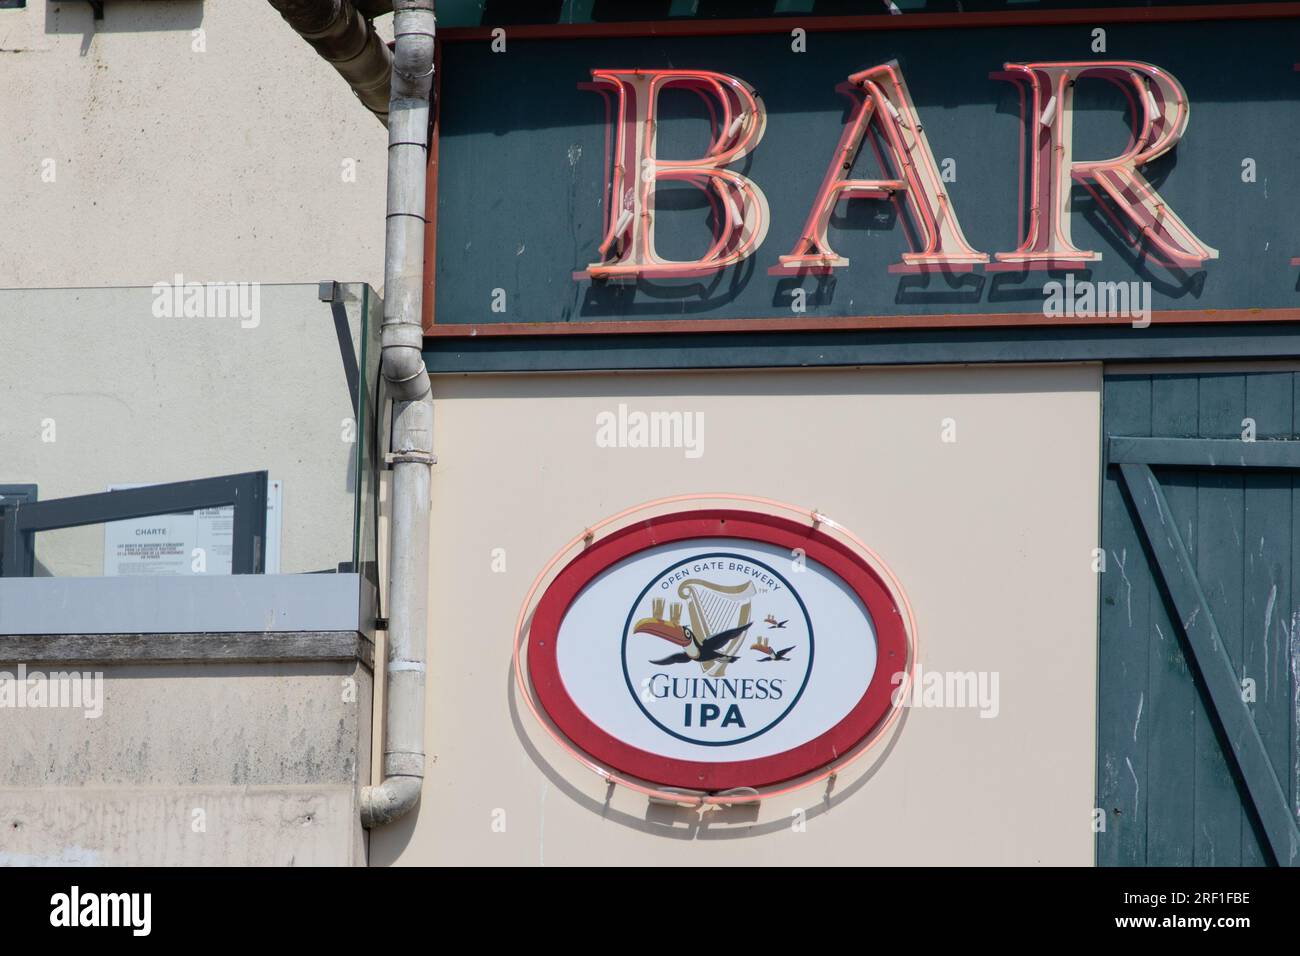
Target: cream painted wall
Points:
(221, 165)
(990, 535)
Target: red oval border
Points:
(866, 716)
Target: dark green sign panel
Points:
(1103, 171)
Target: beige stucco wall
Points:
(991, 536)
(225, 164)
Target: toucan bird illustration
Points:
(708, 649)
(773, 622)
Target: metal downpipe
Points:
(412, 446)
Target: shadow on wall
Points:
(672, 823)
(119, 16)
(689, 823)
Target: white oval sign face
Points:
(717, 613)
(735, 659)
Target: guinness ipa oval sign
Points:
(717, 649)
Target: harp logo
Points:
(717, 649)
(689, 650)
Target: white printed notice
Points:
(188, 542)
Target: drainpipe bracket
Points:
(419, 457)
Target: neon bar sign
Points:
(884, 116)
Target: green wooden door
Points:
(1198, 762)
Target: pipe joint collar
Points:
(401, 334)
(400, 764)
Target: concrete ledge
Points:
(181, 648)
(181, 826)
(232, 604)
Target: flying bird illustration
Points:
(708, 649)
(773, 622)
(763, 647)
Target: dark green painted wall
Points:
(522, 166)
(538, 353)
(1170, 795)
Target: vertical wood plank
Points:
(1219, 535)
(1171, 700)
(1291, 771)
(1267, 574)
(1126, 586)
